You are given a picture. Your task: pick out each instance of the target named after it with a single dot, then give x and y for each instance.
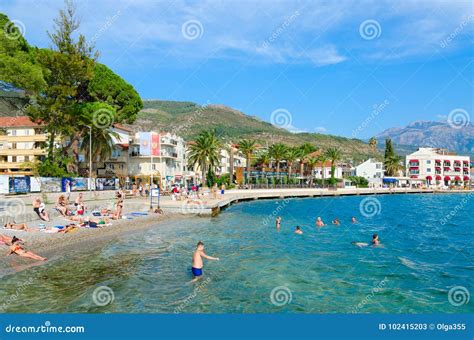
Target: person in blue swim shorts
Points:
(197, 260)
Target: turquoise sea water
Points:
(424, 255)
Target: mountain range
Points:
(430, 134)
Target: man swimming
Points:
(298, 230)
(375, 240)
(319, 222)
(278, 223)
(197, 260)
(353, 219)
(336, 221)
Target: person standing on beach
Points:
(197, 260)
(222, 189)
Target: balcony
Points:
(22, 152)
(169, 154)
(11, 165)
(20, 139)
(168, 141)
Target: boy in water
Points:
(278, 223)
(353, 219)
(375, 240)
(319, 222)
(298, 230)
(197, 260)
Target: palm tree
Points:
(278, 153)
(248, 147)
(334, 155)
(264, 159)
(102, 143)
(312, 164)
(305, 150)
(231, 149)
(393, 165)
(205, 151)
(292, 155)
(373, 143)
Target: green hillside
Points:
(189, 119)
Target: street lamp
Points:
(90, 161)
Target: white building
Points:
(323, 171)
(438, 167)
(169, 163)
(225, 160)
(370, 169)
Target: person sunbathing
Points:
(16, 226)
(17, 248)
(69, 228)
(8, 240)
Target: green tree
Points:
(205, 152)
(211, 177)
(305, 150)
(334, 155)
(391, 160)
(278, 153)
(247, 147)
(322, 158)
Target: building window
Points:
(428, 170)
(428, 162)
(13, 132)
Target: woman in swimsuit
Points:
(119, 205)
(16, 226)
(18, 249)
(61, 205)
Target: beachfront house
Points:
(371, 168)
(21, 141)
(438, 167)
(161, 155)
(323, 170)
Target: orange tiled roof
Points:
(20, 121)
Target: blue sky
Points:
(350, 68)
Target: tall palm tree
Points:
(278, 153)
(334, 155)
(305, 150)
(264, 159)
(231, 150)
(312, 164)
(393, 165)
(205, 152)
(247, 147)
(373, 143)
(292, 154)
(102, 143)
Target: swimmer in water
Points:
(353, 219)
(197, 261)
(336, 222)
(319, 222)
(278, 223)
(298, 230)
(375, 240)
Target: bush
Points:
(360, 182)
